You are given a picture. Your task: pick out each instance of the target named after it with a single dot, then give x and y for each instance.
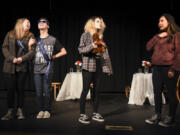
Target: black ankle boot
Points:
(167, 122)
(154, 119)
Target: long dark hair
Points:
(173, 27)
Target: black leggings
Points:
(160, 79)
(88, 78)
(15, 84)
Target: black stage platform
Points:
(64, 120)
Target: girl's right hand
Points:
(163, 34)
(94, 45)
(15, 60)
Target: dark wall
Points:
(129, 26)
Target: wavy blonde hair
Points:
(90, 26)
(18, 30)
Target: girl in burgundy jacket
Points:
(164, 46)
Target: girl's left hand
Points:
(170, 74)
(31, 41)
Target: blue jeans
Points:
(42, 86)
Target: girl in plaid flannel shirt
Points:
(94, 64)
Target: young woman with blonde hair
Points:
(16, 51)
(95, 61)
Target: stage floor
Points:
(64, 120)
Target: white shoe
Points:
(9, 115)
(20, 114)
(47, 114)
(97, 117)
(40, 115)
(84, 119)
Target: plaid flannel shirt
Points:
(88, 58)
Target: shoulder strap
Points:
(20, 44)
(42, 49)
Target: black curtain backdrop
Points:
(129, 27)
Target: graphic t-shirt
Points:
(51, 45)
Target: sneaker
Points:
(97, 117)
(167, 122)
(84, 119)
(46, 115)
(8, 115)
(40, 115)
(154, 119)
(20, 114)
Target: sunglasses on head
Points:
(43, 22)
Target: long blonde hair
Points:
(90, 25)
(18, 30)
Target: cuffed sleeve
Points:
(150, 44)
(5, 50)
(176, 62)
(29, 55)
(85, 45)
